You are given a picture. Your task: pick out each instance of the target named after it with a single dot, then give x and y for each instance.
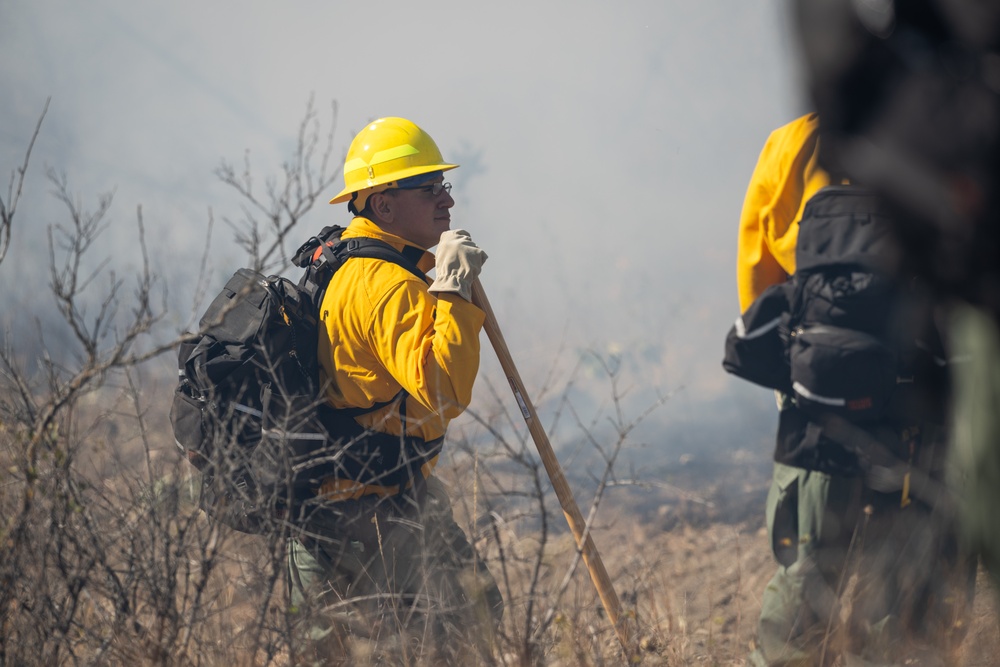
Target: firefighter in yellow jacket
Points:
(381, 549)
(823, 526)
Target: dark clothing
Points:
(376, 567)
(890, 560)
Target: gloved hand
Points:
(458, 261)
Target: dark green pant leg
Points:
(975, 453)
(810, 521)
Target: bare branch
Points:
(266, 223)
(15, 188)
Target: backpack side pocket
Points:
(755, 344)
(844, 371)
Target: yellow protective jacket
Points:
(381, 330)
(786, 176)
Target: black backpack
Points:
(249, 411)
(844, 337)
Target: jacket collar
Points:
(364, 227)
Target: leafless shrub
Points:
(104, 554)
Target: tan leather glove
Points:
(457, 261)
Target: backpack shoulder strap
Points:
(375, 249)
(322, 255)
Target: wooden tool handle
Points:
(591, 557)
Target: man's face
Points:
(419, 215)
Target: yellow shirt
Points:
(786, 176)
(381, 330)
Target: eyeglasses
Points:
(434, 188)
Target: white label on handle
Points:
(520, 400)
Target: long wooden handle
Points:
(591, 558)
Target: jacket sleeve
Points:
(756, 266)
(786, 176)
(429, 344)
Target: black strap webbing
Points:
(332, 257)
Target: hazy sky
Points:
(607, 147)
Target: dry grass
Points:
(688, 566)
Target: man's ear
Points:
(382, 206)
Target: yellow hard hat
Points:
(386, 151)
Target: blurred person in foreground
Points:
(910, 95)
(383, 551)
(879, 551)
